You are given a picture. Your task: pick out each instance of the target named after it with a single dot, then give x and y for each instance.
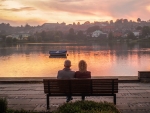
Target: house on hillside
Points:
(99, 33)
(25, 36)
(18, 36)
(136, 33)
(117, 34)
(13, 36)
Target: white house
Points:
(13, 36)
(19, 37)
(136, 33)
(97, 33)
(25, 36)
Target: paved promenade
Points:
(131, 98)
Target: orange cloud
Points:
(20, 9)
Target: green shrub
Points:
(3, 105)
(87, 107)
(19, 111)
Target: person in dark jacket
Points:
(82, 73)
(66, 73)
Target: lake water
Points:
(32, 60)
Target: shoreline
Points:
(121, 79)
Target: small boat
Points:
(58, 53)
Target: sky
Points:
(37, 12)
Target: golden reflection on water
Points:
(100, 63)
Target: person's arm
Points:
(89, 74)
(58, 75)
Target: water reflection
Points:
(57, 57)
(33, 60)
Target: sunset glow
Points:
(37, 12)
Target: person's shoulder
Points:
(88, 71)
(72, 71)
(77, 71)
(60, 71)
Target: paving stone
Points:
(10, 89)
(130, 95)
(24, 107)
(123, 106)
(3, 92)
(137, 91)
(148, 91)
(35, 96)
(123, 91)
(38, 101)
(40, 108)
(145, 95)
(19, 101)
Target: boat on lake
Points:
(58, 53)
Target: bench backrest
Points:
(80, 86)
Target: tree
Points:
(138, 20)
(139, 28)
(78, 23)
(131, 35)
(71, 34)
(43, 35)
(87, 23)
(125, 21)
(118, 21)
(9, 40)
(71, 31)
(111, 22)
(110, 36)
(145, 31)
(92, 29)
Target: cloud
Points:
(69, 0)
(20, 9)
(33, 21)
(72, 10)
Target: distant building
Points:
(117, 34)
(25, 36)
(136, 33)
(13, 36)
(97, 33)
(19, 36)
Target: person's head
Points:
(82, 66)
(67, 64)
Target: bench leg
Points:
(83, 97)
(47, 101)
(115, 99)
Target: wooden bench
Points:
(80, 87)
(144, 76)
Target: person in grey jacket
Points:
(66, 73)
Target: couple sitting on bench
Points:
(66, 73)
